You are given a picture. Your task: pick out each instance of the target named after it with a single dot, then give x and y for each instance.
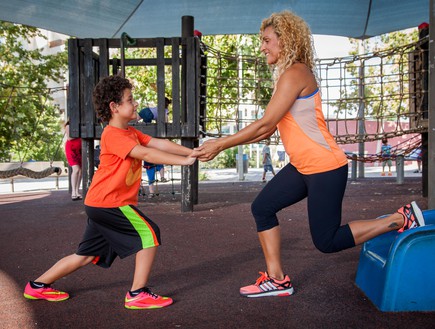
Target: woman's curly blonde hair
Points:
(295, 40)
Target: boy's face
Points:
(127, 109)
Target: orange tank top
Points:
(307, 141)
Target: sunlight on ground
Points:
(14, 309)
(14, 198)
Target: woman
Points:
(73, 153)
(318, 168)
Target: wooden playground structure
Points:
(90, 60)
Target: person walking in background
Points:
(318, 168)
(386, 156)
(73, 153)
(267, 161)
(116, 227)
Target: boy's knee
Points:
(85, 260)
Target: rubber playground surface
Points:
(205, 257)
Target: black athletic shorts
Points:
(113, 232)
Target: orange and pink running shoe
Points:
(45, 292)
(266, 286)
(146, 300)
(412, 216)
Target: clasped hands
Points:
(207, 151)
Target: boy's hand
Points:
(195, 153)
(190, 160)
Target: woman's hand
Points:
(208, 150)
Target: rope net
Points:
(364, 97)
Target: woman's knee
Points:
(333, 244)
(333, 240)
(324, 247)
(257, 210)
(264, 219)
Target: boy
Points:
(386, 156)
(267, 161)
(115, 226)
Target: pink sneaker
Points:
(266, 286)
(146, 300)
(45, 292)
(412, 216)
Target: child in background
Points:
(386, 156)
(152, 170)
(148, 114)
(267, 161)
(116, 227)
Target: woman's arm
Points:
(289, 86)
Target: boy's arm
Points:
(184, 156)
(160, 157)
(169, 147)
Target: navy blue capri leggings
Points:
(324, 193)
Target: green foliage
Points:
(202, 176)
(236, 74)
(29, 124)
(145, 77)
(225, 159)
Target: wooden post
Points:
(187, 172)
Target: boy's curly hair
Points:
(295, 40)
(109, 89)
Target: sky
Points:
(328, 46)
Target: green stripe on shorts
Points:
(142, 227)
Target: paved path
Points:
(211, 175)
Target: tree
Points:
(236, 75)
(29, 123)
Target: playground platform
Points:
(205, 257)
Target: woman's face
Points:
(270, 45)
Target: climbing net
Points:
(365, 97)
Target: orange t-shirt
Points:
(306, 138)
(117, 180)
